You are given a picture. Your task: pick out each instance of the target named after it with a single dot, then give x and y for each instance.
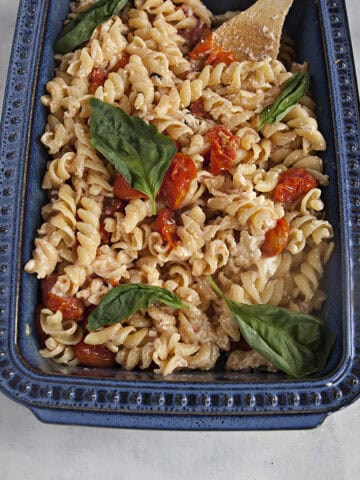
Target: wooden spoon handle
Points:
(255, 33)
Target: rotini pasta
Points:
(93, 239)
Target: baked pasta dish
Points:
(184, 221)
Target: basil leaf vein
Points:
(137, 150)
(294, 342)
(80, 29)
(122, 301)
(293, 90)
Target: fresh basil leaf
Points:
(293, 342)
(80, 29)
(294, 89)
(137, 150)
(124, 300)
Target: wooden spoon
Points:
(255, 33)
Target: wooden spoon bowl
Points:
(255, 33)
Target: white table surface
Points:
(32, 450)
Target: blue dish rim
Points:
(161, 404)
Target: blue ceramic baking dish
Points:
(210, 401)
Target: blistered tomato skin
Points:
(166, 226)
(97, 78)
(219, 55)
(293, 184)
(203, 47)
(223, 149)
(124, 191)
(276, 239)
(71, 308)
(94, 355)
(177, 180)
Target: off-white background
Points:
(32, 450)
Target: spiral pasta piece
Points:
(59, 353)
(88, 234)
(45, 258)
(66, 332)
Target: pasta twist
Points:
(63, 219)
(304, 227)
(311, 270)
(135, 212)
(103, 49)
(65, 332)
(130, 358)
(58, 171)
(57, 89)
(58, 134)
(116, 335)
(88, 234)
(168, 42)
(142, 88)
(170, 353)
(259, 213)
(113, 88)
(205, 358)
(73, 278)
(94, 291)
(305, 126)
(45, 258)
(59, 353)
(107, 266)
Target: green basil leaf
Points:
(124, 300)
(294, 342)
(80, 29)
(137, 150)
(294, 89)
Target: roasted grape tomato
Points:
(166, 226)
(203, 47)
(223, 149)
(124, 191)
(177, 180)
(293, 184)
(94, 355)
(97, 78)
(276, 239)
(71, 308)
(219, 55)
